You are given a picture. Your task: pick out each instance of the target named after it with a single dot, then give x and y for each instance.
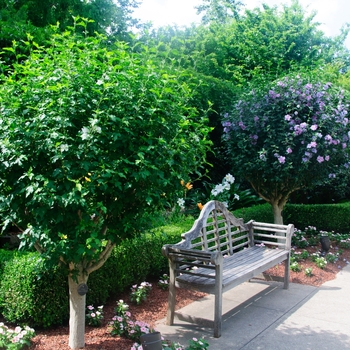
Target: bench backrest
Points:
(216, 229)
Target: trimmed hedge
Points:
(30, 295)
(327, 217)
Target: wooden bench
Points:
(221, 252)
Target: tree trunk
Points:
(76, 312)
(277, 213)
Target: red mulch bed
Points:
(155, 308)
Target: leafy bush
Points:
(30, 295)
(324, 216)
(328, 217)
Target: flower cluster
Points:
(194, 344)
(163, 282)
(15, 339)
(94, 317)
(185, 187)
(123, 325)
(221, 191)
(140, 293)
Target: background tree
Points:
(290, 135)
(220, 11)
(91, 140)
(225, 59)
(34, 17)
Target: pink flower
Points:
(314, 127)
(287, 117)
(326, 158)
(289, 150)
(320, 159)
(282, 159)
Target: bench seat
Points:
(237, 269)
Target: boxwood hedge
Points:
(31, 295)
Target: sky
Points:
(332, 14)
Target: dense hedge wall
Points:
(30, 295)
(327, 217)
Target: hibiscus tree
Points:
(290, 135)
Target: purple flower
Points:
(344, 145)
(289, 150)
(326, 158)
(242, 126)
(314, 127)
(256, 118)
(320, 159)
(282, 159)
(331, 176)
(287, 117)
(312, 144)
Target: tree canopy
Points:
(91, 139)
(289, 135)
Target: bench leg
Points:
(286, 272)
(218, 302)
(172, 294)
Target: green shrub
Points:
(28, 295)
(261, 213)
(328, 217)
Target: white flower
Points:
(64, 147)
(227, 186)
(236, 196)
(99, 82)
(181, 202)
(85, 133)
(229, 178)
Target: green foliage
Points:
(91, 139)
(218, 11)
(329, 217)
(31, 295)
(258, 46)
(261, 213)
(288, 135)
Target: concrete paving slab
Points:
(245, 320)
(265, 316)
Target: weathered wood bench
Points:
(221, 252)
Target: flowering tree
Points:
(91, 139)
(292, 135)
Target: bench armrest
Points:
(174, 252)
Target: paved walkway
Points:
(262, 315)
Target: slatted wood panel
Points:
(237, 269)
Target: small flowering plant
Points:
(15, 339)
(163, 282)
(123, 325)
(198, 344)
(308, 271)
(194, 344)
(94, 317)
(140, 293)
